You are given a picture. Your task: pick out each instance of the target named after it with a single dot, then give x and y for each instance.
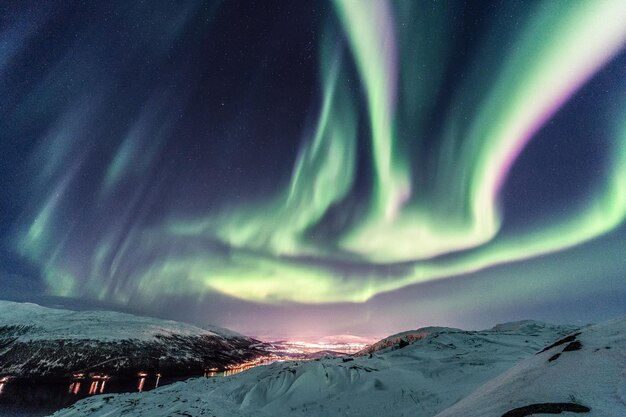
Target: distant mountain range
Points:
(42, 343)
(513, 370)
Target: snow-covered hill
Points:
(398, 340)
(586, 370)
(39, 342)
(419, 379)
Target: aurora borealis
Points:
(386, 163)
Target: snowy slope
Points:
(399, 339)
(586, 369)
(420, 379)
(41, 342)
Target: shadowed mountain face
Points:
(43, 343)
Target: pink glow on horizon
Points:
(337, 343)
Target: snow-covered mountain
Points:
(40, 342)
(419, 378)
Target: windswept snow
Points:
(420, 379)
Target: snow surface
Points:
(593, 376)
(421, 379)
(48, 323)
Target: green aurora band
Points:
(410, 220)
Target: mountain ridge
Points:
(39, 342)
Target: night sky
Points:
(296, 167)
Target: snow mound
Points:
(402, 338)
